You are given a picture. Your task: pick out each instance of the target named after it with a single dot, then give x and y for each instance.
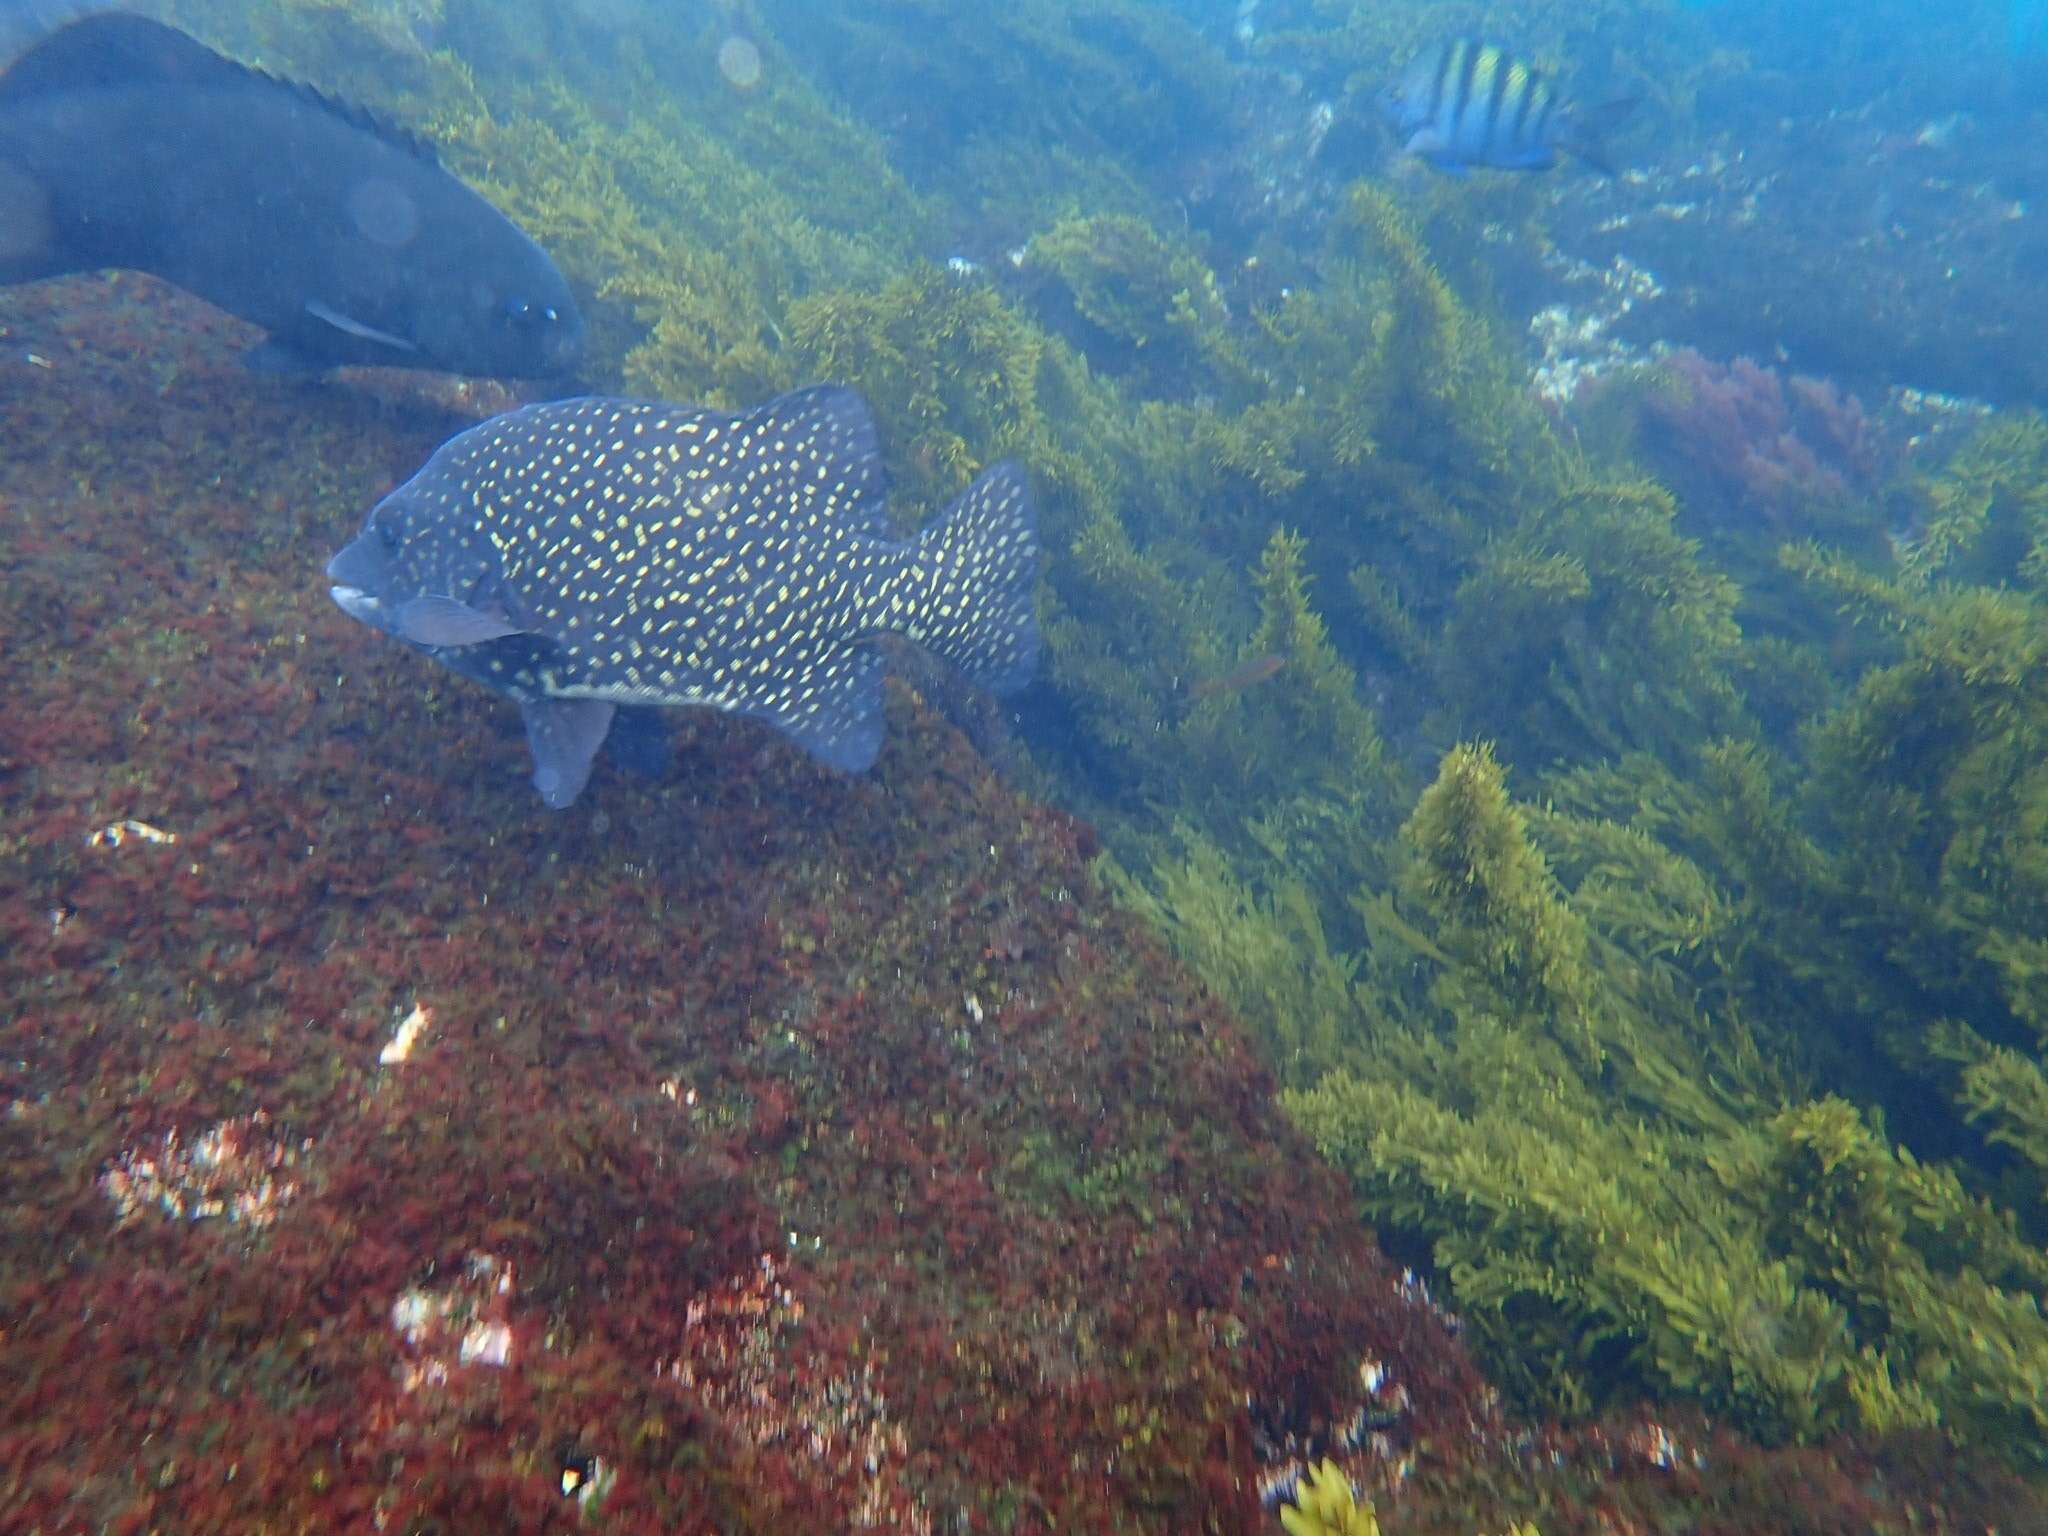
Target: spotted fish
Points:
(125, 143)
(587, 556)
(1465, 103)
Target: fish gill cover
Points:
(1598, 784)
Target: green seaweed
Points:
(1996, 483)
(1781, 1261)
(1142, 308)
(1267, 952)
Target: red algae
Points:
(766, 1147)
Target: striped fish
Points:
(1466, 103)
(588, 558)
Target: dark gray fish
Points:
(587, 556)
(125, 143)
(1466, 103)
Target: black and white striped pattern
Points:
(1468, 103)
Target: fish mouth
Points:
(359, 605)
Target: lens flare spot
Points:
(740, 62)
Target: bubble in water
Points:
(740, 62)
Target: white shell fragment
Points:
(402, 1040)
(117, 833)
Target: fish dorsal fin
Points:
(355, 115)
(820, 449)
(115, 49)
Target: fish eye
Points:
(389, 533)
(529, 316)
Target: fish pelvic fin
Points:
(968, 590)
(564, 735)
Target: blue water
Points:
(2029, 28)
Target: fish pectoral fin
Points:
(564, 735)
(326, 314)
(450, 621)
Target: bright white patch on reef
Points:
(233, 1172)
(402, 1040)
(487, 1344)
(117, 833)
(588, 1484)
(462, 1322)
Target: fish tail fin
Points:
(1585, 137)
(969, 596)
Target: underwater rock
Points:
(788, 1144)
